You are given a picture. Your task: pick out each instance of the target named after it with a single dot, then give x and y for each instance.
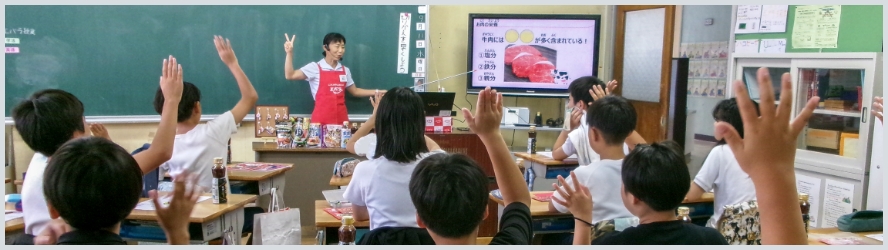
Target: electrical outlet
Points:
(708, 21)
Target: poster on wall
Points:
(532, 53)
(773, 19)
(836, 201)
(748, 19)
(816, 26)
(811, 186)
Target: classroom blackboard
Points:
(110, 56)
(860, 30)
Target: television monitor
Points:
(527, 54)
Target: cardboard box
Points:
(822, 138)
(849, 145)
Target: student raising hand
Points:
(173, 217)
(578, 201)
(767, 153)
(597, 92)
(878, 106)
(99, 130)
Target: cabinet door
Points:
(746, 70)
(836, 136)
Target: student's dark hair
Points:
(190, 97)
(449, 192)
(657, 175)
(400, 126)
(614, 116)
(92, 183)
(728, 111)
(332, 37)
(580, 87)
(48, 119)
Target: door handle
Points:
(863, 115)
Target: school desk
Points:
(814, 240)
(545, 169)
(207, 221)
(337, 181)
(265, 180)
(14, 227)
(326, 224)
(315, 166)
(545, 222)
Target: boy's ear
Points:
(53, 213)
(422, 225)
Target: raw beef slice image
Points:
(514, 51)
(523, 63)
(542, 72)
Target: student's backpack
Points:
(739, 224)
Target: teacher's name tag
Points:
(342, 78)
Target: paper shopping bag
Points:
(277, 228)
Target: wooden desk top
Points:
(272, 147)
(832, 230)
(539, 208)
(337, 181)
(323, 219)
(203, 211)
(16, 224)
(241, 175)
(545, 160)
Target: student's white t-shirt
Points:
(312, 75)
(604, 182)
(381, 185)
(34, 209)
(193, 152)
(581, 136)
(722, 173)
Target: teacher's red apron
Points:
(330, 100)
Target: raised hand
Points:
(488, 113)
(98, 130)
(769, 142)
(223, 46)
(374, 100)
(288, 45)
(577, 199)
(174, 217)
(878, 106)
(597, 92)
(51, 233)
(171, 79)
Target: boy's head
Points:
(48, 119)
(655, 178)
(578, 91)
(334, 44)
(400, 126)
(449, 192)
(189, 106)
(728, 111)
(92, 184)
(611, 119)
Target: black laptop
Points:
(437, 103)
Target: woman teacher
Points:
(328, 79)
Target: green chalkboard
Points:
(110, 56)
(860, 30)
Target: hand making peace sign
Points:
(288, 45)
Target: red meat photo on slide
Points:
(529, 63)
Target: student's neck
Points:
(612, 152)
(185, 127)
(470, 239)
(330, 61)
(654, 216)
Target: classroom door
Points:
(643, 62)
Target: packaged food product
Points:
(332, 136)
(314, 135)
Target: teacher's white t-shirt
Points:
(312, 75)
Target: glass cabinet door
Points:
(747, 71)
(835, 126)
